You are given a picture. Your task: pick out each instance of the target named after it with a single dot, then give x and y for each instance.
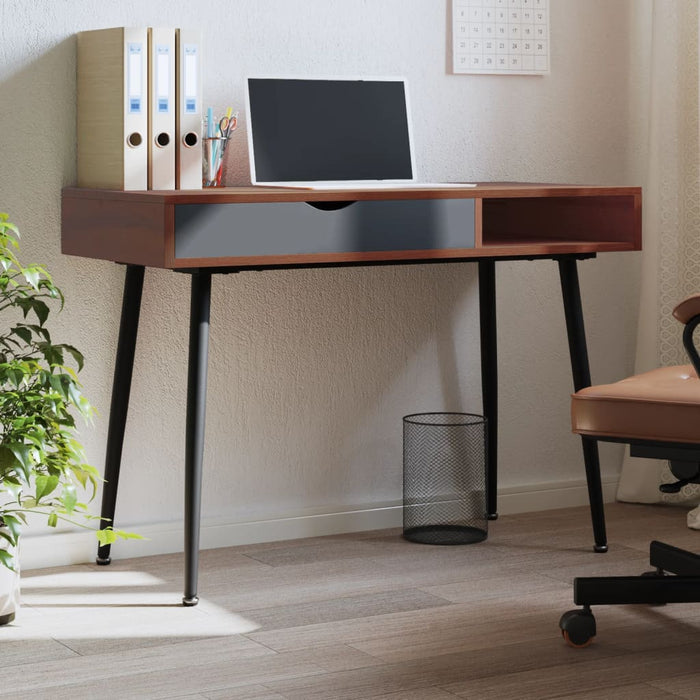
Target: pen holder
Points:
(213, 150)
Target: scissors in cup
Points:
(227, 125)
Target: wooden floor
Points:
(361, 616)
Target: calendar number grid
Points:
(503, 37)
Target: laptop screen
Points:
(304, 130)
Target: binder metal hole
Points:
(190, 139)
(134, 139)
(162, 139)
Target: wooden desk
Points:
(237, 229)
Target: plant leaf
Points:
(7, 459)
(32, 274)
(23, 332)
(45, 484)
(76, 354)
(7, 536)
(13, 524)
(69, 498)
(106, 536)
(23, 455)
(129, 535)
(40, 309)
(6, 559)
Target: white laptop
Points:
(331, 133)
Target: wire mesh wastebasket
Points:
(444, 478)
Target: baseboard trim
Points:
(550, 496)
(79, 547)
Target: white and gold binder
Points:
(112, 118)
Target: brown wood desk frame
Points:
(236, 229)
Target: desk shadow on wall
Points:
(324, 364)
(427, 225)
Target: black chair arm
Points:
(688, 343)
(688, 313)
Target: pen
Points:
(210, 122)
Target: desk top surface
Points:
(224, 195)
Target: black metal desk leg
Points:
(578, 351)
(121, 388)
(194, 441)
(489, 379)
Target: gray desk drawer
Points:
(298, 228)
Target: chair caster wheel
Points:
(578, 628)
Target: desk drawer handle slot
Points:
(330, 206)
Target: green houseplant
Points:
(42, 465)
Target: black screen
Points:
(308, 130)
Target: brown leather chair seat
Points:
(661, 405)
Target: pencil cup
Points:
(213, 150)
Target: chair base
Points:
(652, 588)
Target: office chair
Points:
(658, 414)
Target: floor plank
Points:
(347, 608)
(635, 691)
(602, 675)
(249, 692)
(684, 686)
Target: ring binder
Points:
(188, 116)
(161, 109)
(112, 117)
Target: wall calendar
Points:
(501, 37)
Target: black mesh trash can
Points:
(444, 478)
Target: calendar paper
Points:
(502, 37)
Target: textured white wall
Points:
(311, 371)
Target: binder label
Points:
(163, 78)
(134, 81)
(190, 79)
